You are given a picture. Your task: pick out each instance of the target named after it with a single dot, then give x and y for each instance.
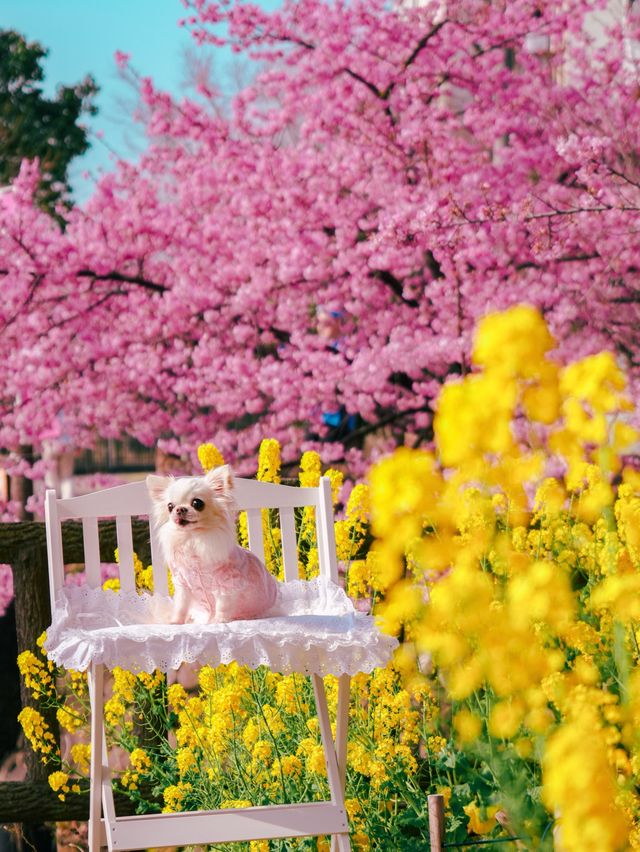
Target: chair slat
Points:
(250, 494)
(91, 551)
(254, 528)
(326, 533)
(125, 553)
(129, 499)
(160, 577)
(54, 546)
(289, 544)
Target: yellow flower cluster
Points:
(37, 674)
(45, 682)
(37, 732)
(69, 719)
(522, 587)
(174, 796)
(479, 824)
(269, 461)
(350, 533)
(389, 712)
(310, 469)
(116, 708)
(143, 576)
(81, 755)
(261, 726)
(575, 758)
(139, 763)
(59, 783)
(209, 457)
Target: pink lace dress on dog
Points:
(236, 589)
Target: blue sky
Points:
(82, 37)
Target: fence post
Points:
(436, 821)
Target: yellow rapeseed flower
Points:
(177, 696)
(477, 823)
(209, 457)
(59, 783)
(36, 674)
(580, 786)
(596, 381)
(262, 751)
(123, 684)
(269, 461)
(310, 469)
(505, 719)
(174, 796)
(467, 725)
(69, 718)
(81, 755)
(208, 680)
(288, 764)
(37, 731)
(514, 342)
(466, 427)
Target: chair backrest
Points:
(125, 502)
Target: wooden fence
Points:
(23, 546)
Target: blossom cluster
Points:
(396, 167)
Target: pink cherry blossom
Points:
(403, 170)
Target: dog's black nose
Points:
(181, 510)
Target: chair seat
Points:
(314, 629)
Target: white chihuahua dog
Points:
(215, 579)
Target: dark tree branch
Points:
(385, 420)
(372, 88)
(571, 258)
(432, 265)
(424, 41)
(124, 279)
(394, 284)
(37, 279)
(385, 93)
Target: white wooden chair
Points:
(265, 822)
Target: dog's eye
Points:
(170, 507)
(197, 504)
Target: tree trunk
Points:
(33, 616)
(21, 487)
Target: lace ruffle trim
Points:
(312, 629)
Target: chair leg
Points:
(96, 698)
(341, 841)
(342, 726)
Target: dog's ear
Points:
(220, 480)
(157, 487)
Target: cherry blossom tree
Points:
(324, 247)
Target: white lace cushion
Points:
(313, 629)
